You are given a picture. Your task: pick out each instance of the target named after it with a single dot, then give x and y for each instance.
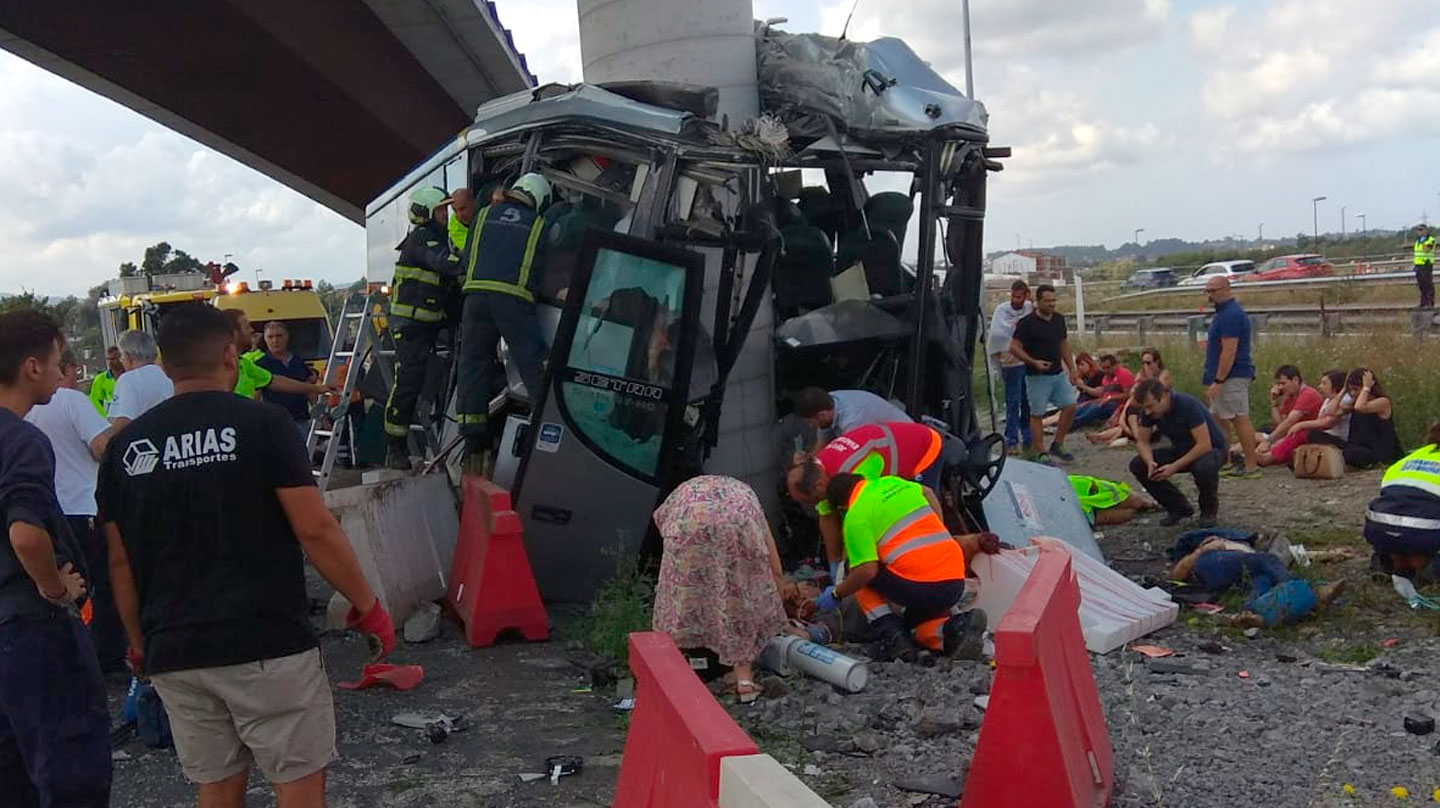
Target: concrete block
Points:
(759, 781)
(403, 532)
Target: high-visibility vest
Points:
(907, 535)
(459, 231)
(1425, 250)
(501, 253)
(102, 389)
(1419, 470)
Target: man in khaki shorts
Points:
(1229, 370)
(210, 511)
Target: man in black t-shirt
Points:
(208, 502)
(1197, 446)
(54, 729)
(1042, 343)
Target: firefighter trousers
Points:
(484, 319)
(414, 343)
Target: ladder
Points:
(363, 344)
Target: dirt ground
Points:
(530, 701)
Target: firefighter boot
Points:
(397, 454)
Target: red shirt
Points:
(1307, 401)
(895, 449)
(1117, 383)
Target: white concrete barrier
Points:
(759, 781)
(403, 532)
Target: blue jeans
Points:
(54, 728)
(1092, 411)
(1017, 408)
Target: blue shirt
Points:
(1186, 413)
(296, 369)
(1230, 322)
(27, 495)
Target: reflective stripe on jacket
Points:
(502, 250)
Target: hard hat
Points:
(535, 186)
(423, 202)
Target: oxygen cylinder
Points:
(785, 655)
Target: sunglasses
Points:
(1147, 361)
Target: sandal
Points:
(746, 691)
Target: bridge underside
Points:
(334, 98)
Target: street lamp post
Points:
(1361, 217)
(1342, 222)
(1138, 231)
(1315, 216)
(1260, 234)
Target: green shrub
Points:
(622, 605)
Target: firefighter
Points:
(499, 285)
(901, 554)
(421, 292)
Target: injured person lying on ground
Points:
(1213, 560)
(902, 557)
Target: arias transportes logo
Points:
(140, 457)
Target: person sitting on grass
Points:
(1089, 377)
(1114, 388)
(1291, 401)
(1108, 503)
(1402, 525)
(1122, 424)
(1372, 438)
(1334, 421)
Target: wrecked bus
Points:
(694, 278)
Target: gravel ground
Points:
(1188, 730)
(1305, 722)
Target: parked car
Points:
(1227, 269)
(1150, 278)
(1292, 267)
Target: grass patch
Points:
(832, 786)
(622, 605)
(1413, 385)
(403, 785)
(1349, 654)
(1315, 538)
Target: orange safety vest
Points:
(909, 538)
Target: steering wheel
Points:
(982, 473)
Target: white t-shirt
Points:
(138, 390)
(860, 407)
(71, 422)
(1341, 429)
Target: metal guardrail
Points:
(1330, 321)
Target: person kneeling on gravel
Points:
(901, 554)
(1219, 563)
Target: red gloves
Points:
(376, 625)
(136, 658)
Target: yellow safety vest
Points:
(1425, 250)
(1420, 469)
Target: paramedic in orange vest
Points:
(901, 555)
(900, 449)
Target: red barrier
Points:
(1043, 741)
(678, 732)
(491, 586)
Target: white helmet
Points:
(535, 186)
(424, 201)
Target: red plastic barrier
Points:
(1043, 741)
(678, 732)
(491, 586)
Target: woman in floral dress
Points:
(720, 576)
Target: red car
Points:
(1289, 268)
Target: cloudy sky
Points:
(1189, 118)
